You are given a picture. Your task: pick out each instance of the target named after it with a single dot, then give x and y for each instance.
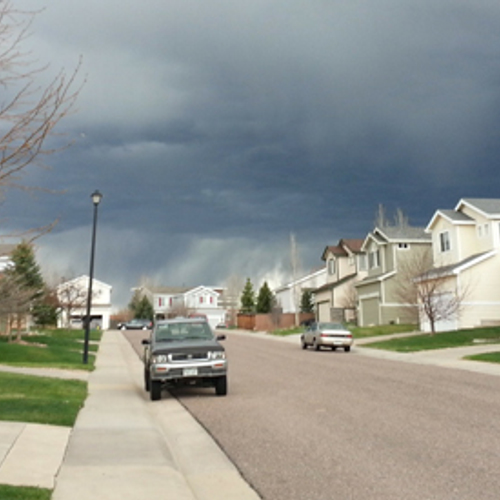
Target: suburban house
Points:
(182, 301)
(72, 296)
(466, 245)
(345, 264)
(388, 249)
(288, 296)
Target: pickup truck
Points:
(184, 351)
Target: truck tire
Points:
(221, 386)
(155, 390)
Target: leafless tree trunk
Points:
(233, 287)
(15, 302)
(294, 261)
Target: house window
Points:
(160, 301)
(331, 266)
(201, 299)
(211, 300)
(403, 246)
(486, 229)
(362, 262)
(444, 241)
(374, 259)
(170, 301)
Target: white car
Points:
(330, 335)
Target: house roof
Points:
(335, 250)
(374, 279)
(457, 267)
(353, 245)
(457, 218)
(334, 284)
(403, 233)
(168, 290)
(397, 234)
(85, 278)
(490, 207)
(290, 284)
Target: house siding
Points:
(481, 303)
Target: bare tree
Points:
(426, 291)
(294, 262)
(349, 302)
(15, 303)
(30, 112)
(437, 301)
(234, 285)
(72, 296)
(381, 219)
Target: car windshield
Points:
(331, 326)
(183, 331)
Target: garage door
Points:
(369, 311)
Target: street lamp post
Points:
(96, 198)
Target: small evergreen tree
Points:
(306, 302)
(144, 309)
(27, 276)
(265, 299)
(27, 269)
(141, 306)
(248, 298)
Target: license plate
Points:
(190, 372)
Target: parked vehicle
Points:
(136, 324)
(331, 335)
(184, 351)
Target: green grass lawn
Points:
(51, 348)
(489, 357)
(442, 340)
(361, 332)
(23, 493)
(43, 400)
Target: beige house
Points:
(175, 301)
(387, 250)
(345, 264)
(466, 244)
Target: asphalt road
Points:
(306, 425)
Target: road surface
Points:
(306, 425)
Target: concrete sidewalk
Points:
(124, 446)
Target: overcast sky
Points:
(215, 128)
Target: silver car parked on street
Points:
(330, 335)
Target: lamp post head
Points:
(96, 197)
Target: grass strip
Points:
(459, 338)
(43, 400)
(8, 492)
(52, 348)
(489, 357)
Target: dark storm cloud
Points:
(212, 124)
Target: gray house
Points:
(387, 249)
